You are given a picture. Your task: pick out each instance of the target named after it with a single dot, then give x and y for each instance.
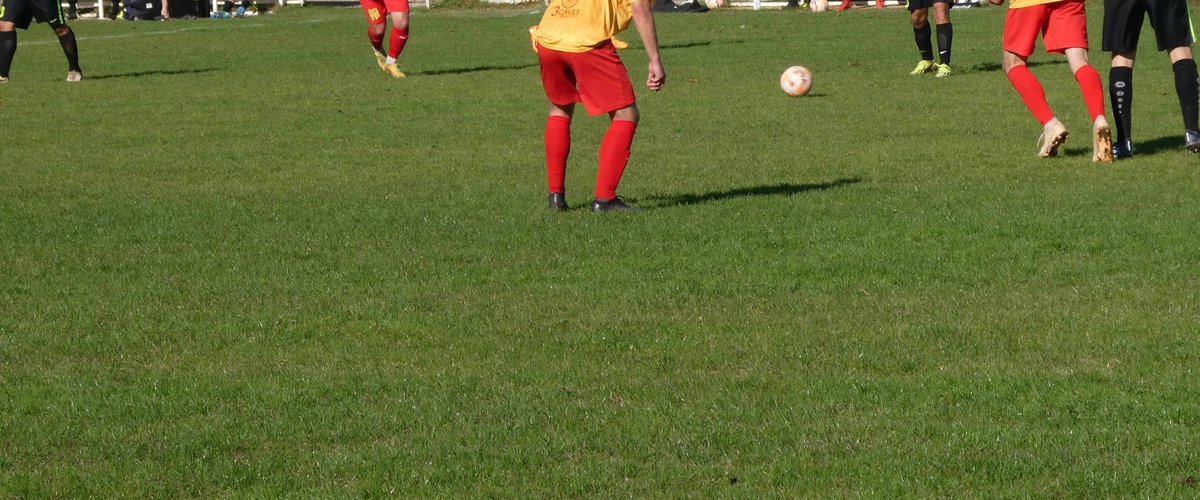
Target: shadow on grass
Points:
(785, 189)
(1165, 144)
(459, 71)
(995, 66)
(686, 45)
(1159, 145)
(139, 74)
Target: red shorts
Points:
(596, 77)
(1063, 26)
(377, 10)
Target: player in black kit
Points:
(18, 14)
(1173, 32)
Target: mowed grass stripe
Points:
(238, 260)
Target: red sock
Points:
(396, 42)
(558, 147)
(1092, 89)
(376, 40)
(614, 155)
(1030, 90)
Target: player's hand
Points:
(657, 77)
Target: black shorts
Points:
(915, 5)
(1123, 24)
(22, 12)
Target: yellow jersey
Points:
(582, 25)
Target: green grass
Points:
(237, 260)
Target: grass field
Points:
(239, 261)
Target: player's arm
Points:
(644, 18)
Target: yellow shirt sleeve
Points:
(582, 25)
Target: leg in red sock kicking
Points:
(1034, 97)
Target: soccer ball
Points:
(796, 81)
(818, 5)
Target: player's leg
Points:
(1021, 29)
(376, 14)
(8, 48)
(1187, 88)
(50, 11)
(604, 87)
(1173, 32)
(945, 36)
(559, 82)
(1123, 21)
(375, 35)
(557, 140)
(1054, 133)
(614, 156)
(1065, 32)
(66, 38)
(919, 15)
(398, 15)
(1088, 80)
(845, 5)
(399, 35)
(1093, 97)
(72, 10)
(1120, 94)
(165, 12)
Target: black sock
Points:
(8, 47)
(70, 49)
(1120, 94)
(923, 44)
(945, 34)
(228, 6)
(1188, 90)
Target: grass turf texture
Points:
(238, 260)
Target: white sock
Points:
(389, 60)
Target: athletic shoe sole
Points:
(1102, 145)
(1050, 147)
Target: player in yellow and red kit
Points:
(1063, 27)
(378, 13)
(580, 64)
